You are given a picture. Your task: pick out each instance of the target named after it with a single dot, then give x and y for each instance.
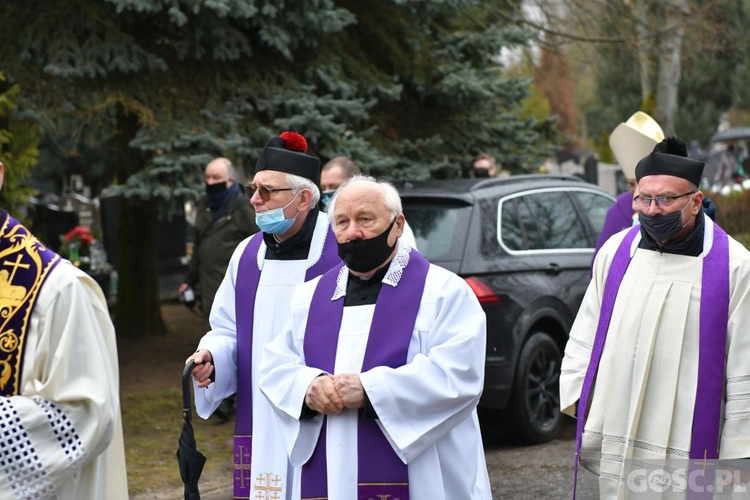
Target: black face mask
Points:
(662, 227)
(218, 188)
(215, 194)
(481, 172)
(365, 255)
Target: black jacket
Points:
(215, 241)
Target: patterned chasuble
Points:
(714, 311)
(24, 265)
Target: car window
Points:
(596, 207)
(439, 227)
(541, 221)
(512, 230)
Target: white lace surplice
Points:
(644, 395)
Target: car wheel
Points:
(533, 412)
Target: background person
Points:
(484, 165)
(296, 244)
(335, 173)
(60, 411)
(377, 375)
(224, 218)
(630, 141)
(668, 303)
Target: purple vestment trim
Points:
(713, 341)
(26, 264)
(714, 316)
(614, 278)
(248, 278)
(714, 311)
(380, 471)
(619, 217)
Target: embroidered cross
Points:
(263, 488)
(242, 466)
(703, 462)
(15, 265)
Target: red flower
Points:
(81, 233)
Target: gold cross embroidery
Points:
(263, 488)
(242, 466)
(15, 265)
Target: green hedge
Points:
(733, 214)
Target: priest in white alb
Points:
(657, 368)
(376, 377)
(295, 244)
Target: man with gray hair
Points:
(376, 376)
(334, 174)
(295, 245)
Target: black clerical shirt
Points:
(297, 247)
(363, 292)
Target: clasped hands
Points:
(330, 394)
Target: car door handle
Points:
(553, 269)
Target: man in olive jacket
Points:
(224, 218)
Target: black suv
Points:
(525, 245)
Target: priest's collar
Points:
(364, 291)
(391, 277)
(296, 247)
(691, 245)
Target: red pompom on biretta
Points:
(287, 152)
(294, 141)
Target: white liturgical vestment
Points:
(426, 408)
(61, 437)
(277, 281)
(644, 393)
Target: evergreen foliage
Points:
(19, 138)
(146, 91)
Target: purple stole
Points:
(381, 473)
(24, 265)
(248, 278)
(714, 315)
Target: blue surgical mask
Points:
(326, 197)
(273, 221)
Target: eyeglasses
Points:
(661, 201)
(265, 192)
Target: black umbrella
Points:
(190, 460)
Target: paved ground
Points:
(541, 472)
